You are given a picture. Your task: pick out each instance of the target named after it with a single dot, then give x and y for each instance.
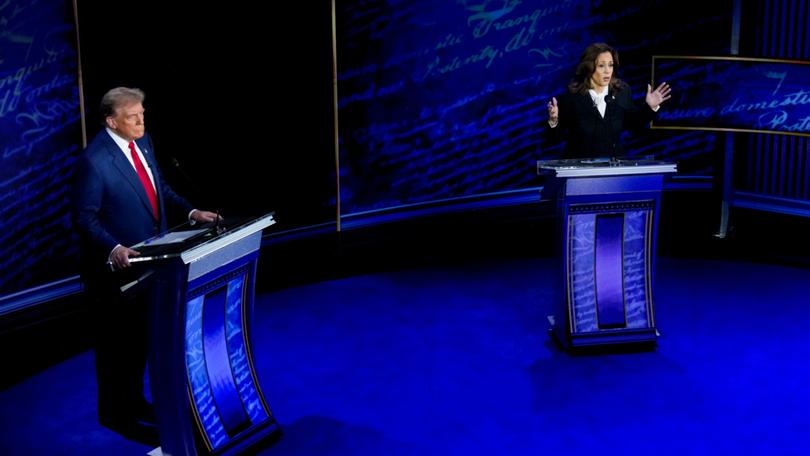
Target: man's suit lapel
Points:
(124, 167)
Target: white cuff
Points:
(109, 257)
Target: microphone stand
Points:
(609, 100)
(199, 192)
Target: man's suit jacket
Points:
(588, 133)
(110, 205)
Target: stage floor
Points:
(455, 359)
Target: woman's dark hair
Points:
(587, 65)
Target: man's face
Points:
(603, 71)
(127, 121)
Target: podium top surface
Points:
(191, 242)
(592, 167)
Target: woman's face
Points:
(603, 71)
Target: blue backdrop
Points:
(436, 100)
(766, 95)
(446, 99)
(40, 137)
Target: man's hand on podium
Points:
(119, 257)
(204, 216)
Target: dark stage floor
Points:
(455, 359)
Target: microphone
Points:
(197, 190)
(191, 183)
(179, 169)
(609, 99)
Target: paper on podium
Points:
(172, 237)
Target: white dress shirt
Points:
(599, 100)
(123, 144)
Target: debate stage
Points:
(453, 357)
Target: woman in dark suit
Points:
(598, 106)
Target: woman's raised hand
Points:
(658, 96)
(553, 111)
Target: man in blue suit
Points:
(121, 199)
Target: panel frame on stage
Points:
(607, 213)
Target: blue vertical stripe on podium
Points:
(240, 361)
(609, 271)
(636, 267)
(581, 252)
(203, 401)
(217, 361)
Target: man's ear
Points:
(110, 122)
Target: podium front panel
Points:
(607, 215)
(207, 395)
(224, 392)
(608, 267)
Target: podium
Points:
(206, 394)
(607, 220)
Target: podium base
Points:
(613, 341)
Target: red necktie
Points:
(144, 177)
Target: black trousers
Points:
(121, 344)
